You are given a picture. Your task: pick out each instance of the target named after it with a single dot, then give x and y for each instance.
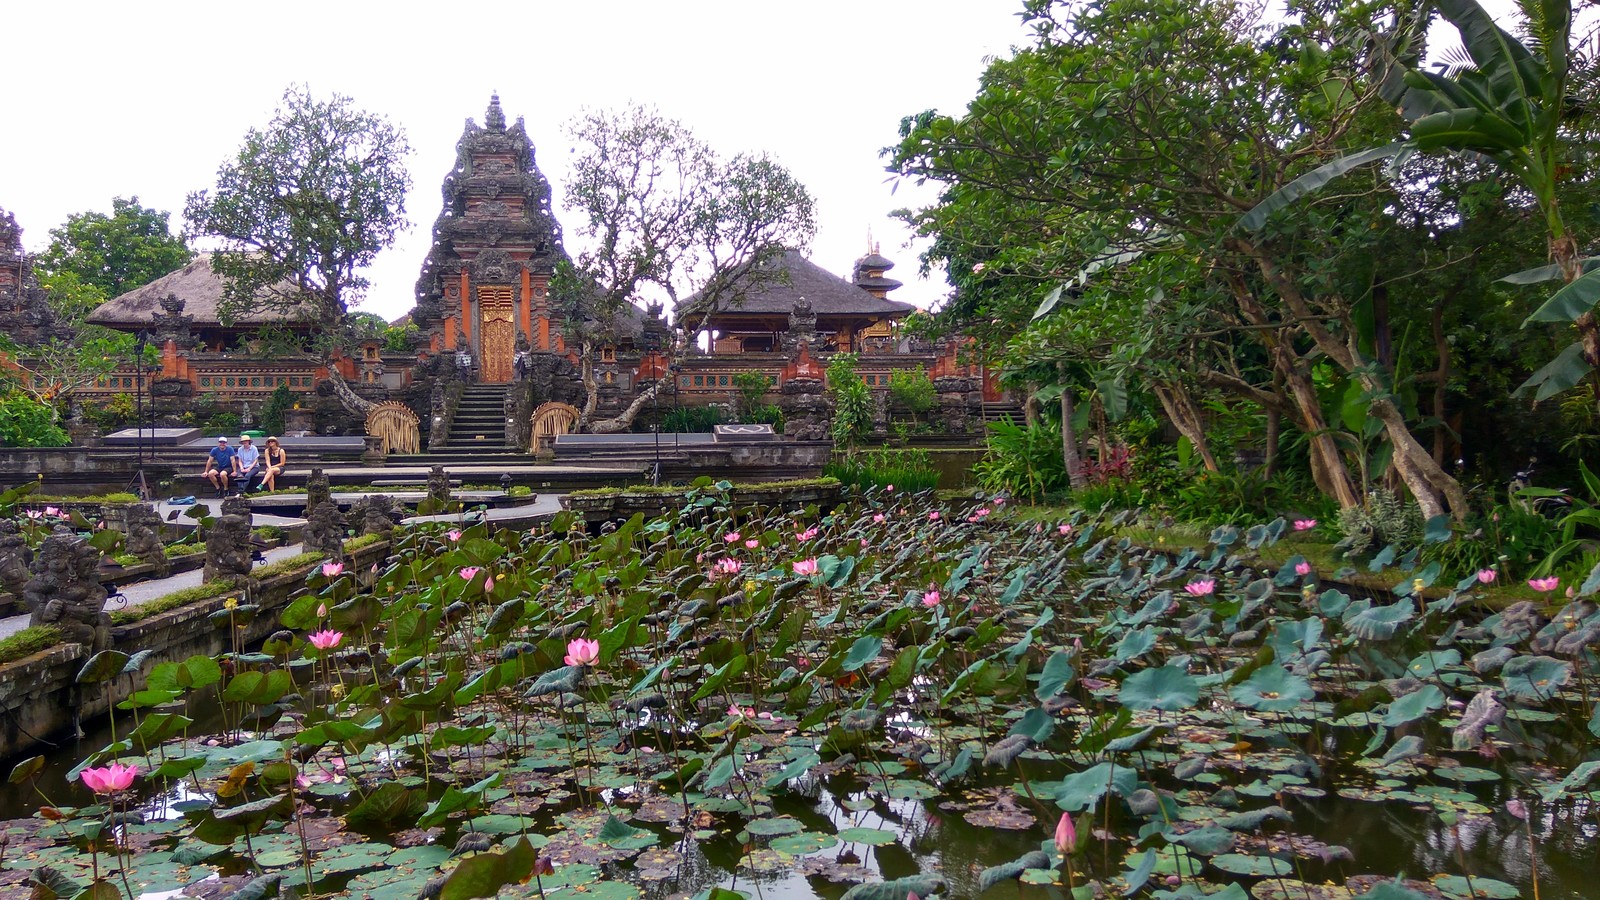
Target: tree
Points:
(306, 204)
(1144, 129)
(663, 213)
(130, 248)
(913, 389)
(852, 400)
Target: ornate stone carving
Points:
(144, 537)
(807, 412)
(438, 485)
(172, 325)
(325, 530)
(376, 514)
(493, 267)
(65, 590)
(802, 326)
(26, 310)
(228, 551)
(13, 557)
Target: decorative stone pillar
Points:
(375, 514)
(325, 530)
(318, 491)
(438, 485)
(65, 590)
(373, 452)
(955, 393)
(14, 572)
(143, 530)
(228, 551)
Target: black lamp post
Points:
(141, 486)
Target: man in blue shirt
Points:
(219, 466)
(246, 465)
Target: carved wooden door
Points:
(498, 333)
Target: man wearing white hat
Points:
(220, 464)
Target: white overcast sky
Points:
(147, 99)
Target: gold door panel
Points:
(497, 333)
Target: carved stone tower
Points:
(486, 281)
(25, 314)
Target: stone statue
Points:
(318, 491)
(144, 537)
(65, 590)
(376, 514)
(14, 573)
(228, 551)
(325, 530)
(438, 485)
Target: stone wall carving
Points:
(375, 514)
(65, 590)
(228, 550)
(318, 491)
(14, 572)
(325, 530)
(143, 531)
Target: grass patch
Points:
(173, 551)
(165, 602)
(365, 540)
(28, 641)
(113, 497)
(285, 566)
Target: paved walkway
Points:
(545, 506)
(145, 591)
(176, 513)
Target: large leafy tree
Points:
(307, 203)
(115, 253)
(1141, 128)
(664, 215)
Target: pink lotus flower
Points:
(863, 543)
(332, 570)
(1066, 834)
(1486, 576)
(1064, 528)
(999, 501)
(933, 516)
(727, 567)
(983, 511)
(52, 510)
(1302, 568)
(469, 572)
(731, 537)
(877, 519)
(1201, 588)
(1304, 524)
(889, 488)
(109, 779)
(326, 640)
(747, 713)
(35, 514)
(453, 534)
(1544, 584)
(973, 519)
(1517, 809)
(806, 567)
(930, 598)
(488, 583)
(752, 544)
(582, 652)
(322, 610)
(806, 535)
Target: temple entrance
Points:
(497, 333)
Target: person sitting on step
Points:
(246, 465)
(273, 464)
(219, 466)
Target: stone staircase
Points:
(479, 422)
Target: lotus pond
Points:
(895, 697)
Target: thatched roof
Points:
(828, 294)
(200, 288)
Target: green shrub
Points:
(176, 550)
(912, 389)
(1022, 461)
(852, 400)
(365, 540)
(1386, 520)
(26, 422)
(27, 642)
(281, 401)
(691, 419)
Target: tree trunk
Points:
(1030, 406)
(1269, 456)
(1328, 468)
(1180, 409)
(1069, 444)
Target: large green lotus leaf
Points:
(1259, 866)
(803, 843)
(1379, 623)
(1168, 688)
(1534, 677)
(621, 835)
(389, 805)
(1007, 871)
(1135, 643)
(1059, 672)
(1272, 688)
(875, 837)
(484, 874)
(1084, 789)
(921, 885)
(1414, 706)
(1426, 665)
(773, 827)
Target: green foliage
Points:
(298, 563)
(852, 400)
(752, 388)
(360, 541)
(907, 469)
(1022, 461)
(115, 253)
(27, 642)
(912, 389)
(1384, 521)
(27, 422)
(167, 602)
(347, 166)
(691, 419)
(272, 412)
(401, 339)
